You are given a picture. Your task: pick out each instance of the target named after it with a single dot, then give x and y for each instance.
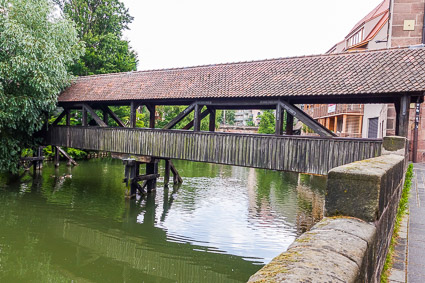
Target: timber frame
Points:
(401, 102)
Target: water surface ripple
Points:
(221, 225)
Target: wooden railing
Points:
(313, 155)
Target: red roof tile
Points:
(369, 72)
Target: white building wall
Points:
(375, 111)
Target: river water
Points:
(222, 225)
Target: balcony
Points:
(328, 110)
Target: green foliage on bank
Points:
(36, 52)
(401, 212)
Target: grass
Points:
(401, 211)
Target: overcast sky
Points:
(181, 33)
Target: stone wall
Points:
(406, 10)
(351, 244)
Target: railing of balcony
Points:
(326, 110)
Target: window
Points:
(373, 128)
(356, 38)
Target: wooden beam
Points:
(94, 115)
(336, 124)
(180, 116)
(68, 117)
(344, 124)
(402, 110)
(146, 177)
(105, 117)
(59, 118)
(197, 118)
(84, 114)
(289, 124)
(361, 125)
(58, 148)
(151, 109)
(151, 168)
(306, 119)
(113, 116)
(176, 176)
(133, 114)
(211, 124)
(279, 120)
(57, 157)
(190, 124)
(167, 173)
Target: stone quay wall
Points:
(351, 243)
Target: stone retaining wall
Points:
(351, 244)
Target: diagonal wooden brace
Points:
(94, 115)
(306, 119)
(113, 116)
(181, 116)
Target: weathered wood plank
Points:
(313, 155)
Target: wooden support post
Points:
(361, 126)
(191, 123)
(68, 117)
(105, 117)
(151, 109)
(211, 125)
(336, 124)
(402, 122)
(84, 120)
(289, 124)
(151, 168)
(328, 122)
(38, 162)
(167, 173)
(57, 157)
(197, 118)
(133, 114)
(344, 124)
(279, 120)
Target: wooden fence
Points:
(286, 153)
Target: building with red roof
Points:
(393, 23)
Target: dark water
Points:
(221, 225)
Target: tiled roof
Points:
(369, 72)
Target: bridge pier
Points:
(151, 169)
(149, 179)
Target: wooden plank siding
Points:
(304, 154)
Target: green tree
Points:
(168, 113)
(36, 49)
(267, 122)
(100, 24)
(229, 115)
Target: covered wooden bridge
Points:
(384, 76)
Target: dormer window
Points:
(356, 38)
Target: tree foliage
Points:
(100, 24)
(229, 115)
(168, 113)
(267, 122)
(36, 49)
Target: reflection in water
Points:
(221, 225)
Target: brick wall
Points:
(406, 10)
